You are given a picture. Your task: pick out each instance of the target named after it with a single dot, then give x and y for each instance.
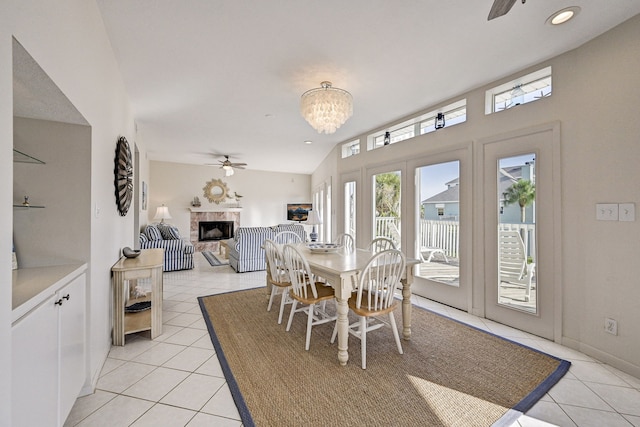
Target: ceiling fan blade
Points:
(499, 8)
(238, 164)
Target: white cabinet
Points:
(35, 366)
(48, 351)
(71, 340)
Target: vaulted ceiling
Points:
(213, 77)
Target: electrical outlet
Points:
(607, 211)
(610, 326)
(626, 212)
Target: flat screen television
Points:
(298, 211)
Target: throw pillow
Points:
(174, 232)
(164, 231)
(168, 232)
(152, 232)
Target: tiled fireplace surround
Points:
(198, 215)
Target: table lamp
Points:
(313, 219)
(162, 213)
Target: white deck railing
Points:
(446, 234)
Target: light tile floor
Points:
(176, 380)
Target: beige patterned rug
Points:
(450, 374)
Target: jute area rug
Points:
(449, 375)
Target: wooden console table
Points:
(147, 265)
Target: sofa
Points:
(245, 249)
(178, 251)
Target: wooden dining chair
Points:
(374, 298)
(277, 276)
(381, 243)
(346, 240)
(307, 297)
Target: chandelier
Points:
(326, 108)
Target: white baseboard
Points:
(623, 365)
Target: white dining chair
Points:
(374, 298)
(381, 243)
(346, 240)
(277, 276)
(285, 237)
(307, 297)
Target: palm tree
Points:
(522, 192)
(388, 195)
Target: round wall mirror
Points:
(215, 191)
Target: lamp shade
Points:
(162, 213)
(313, 218)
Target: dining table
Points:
(340, 269)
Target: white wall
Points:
(596, 89)
(56, 234)
(67, 39)
(264, 194)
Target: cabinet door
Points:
(72, 344)
(34, 347)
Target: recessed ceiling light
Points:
(563, 15)
(308, 142)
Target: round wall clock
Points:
(124, 176)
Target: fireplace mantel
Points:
(216, 209)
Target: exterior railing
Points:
(446, 234)
(440, 234)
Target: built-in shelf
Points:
(20, 157)
(28, 206)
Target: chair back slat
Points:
(379, 280)
(346, 240)
(299, 272)
(275, 262)
(285, 237)
(380, 244)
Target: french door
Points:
(441, 234)
(520, 222)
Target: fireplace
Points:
(215, 230)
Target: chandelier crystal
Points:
(326, 108)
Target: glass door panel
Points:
(438, 230)
(516, 186)
(387, 206)
(350, 208)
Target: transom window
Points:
(350, 148)
(523, 90)
(453, 114)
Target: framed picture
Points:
(144, 196)
(298, 211)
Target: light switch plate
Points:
(626, 212)
(607, 211)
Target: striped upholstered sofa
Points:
(245, 249)
(178, 252)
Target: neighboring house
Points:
(445, 206)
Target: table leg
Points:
(406, 310)
(343, 331)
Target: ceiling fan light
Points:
(563, 15)
(228, 170)
(326, 108)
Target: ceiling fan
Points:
(228, 166)
(501, 7)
